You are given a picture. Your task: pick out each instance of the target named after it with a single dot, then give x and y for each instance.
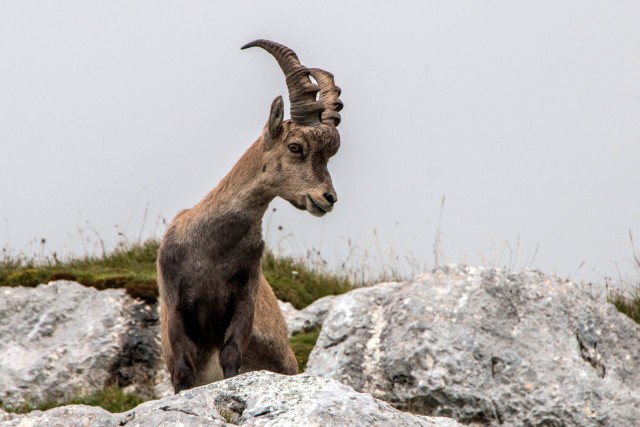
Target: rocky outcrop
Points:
(488, 347)
(63, 339)
(253, 399)
(310, 317)
(482, 346)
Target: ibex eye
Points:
(295, 148)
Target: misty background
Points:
(523, 116)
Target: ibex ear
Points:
(276, 115)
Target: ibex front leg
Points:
(182, 366)
(238, 335)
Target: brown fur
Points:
(219, 315)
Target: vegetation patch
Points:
(112, 398)
(627, 305)
(627, 302)
(302, 343)
(133, 268)
(298, 284)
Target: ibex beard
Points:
(218, 314)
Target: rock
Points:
(488, 347)
(290, 314)
(252, 399)
(7, 416)
(65, 416)
(163, 386)
(308, 318)
(62, 339)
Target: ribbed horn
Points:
(329, 96)
(305, 109)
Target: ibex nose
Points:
(330, 197)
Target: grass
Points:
(627, 302)
(302, 344)
(133, 268)
(294, 282)
(627, 305)
(112, 398)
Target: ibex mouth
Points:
(316, 208)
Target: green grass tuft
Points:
(302, 344)
(629, 306)
(112, 398)
(628, 302)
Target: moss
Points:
(302, 344)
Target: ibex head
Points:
(296, 151)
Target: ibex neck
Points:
(240, 192)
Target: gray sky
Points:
(524, 115)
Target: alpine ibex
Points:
(219, 315)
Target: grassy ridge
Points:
(133, 268)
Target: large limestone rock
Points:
(487, 347)
(253, 399)
(64, 339)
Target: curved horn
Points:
(305, 109)
(329, 96)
